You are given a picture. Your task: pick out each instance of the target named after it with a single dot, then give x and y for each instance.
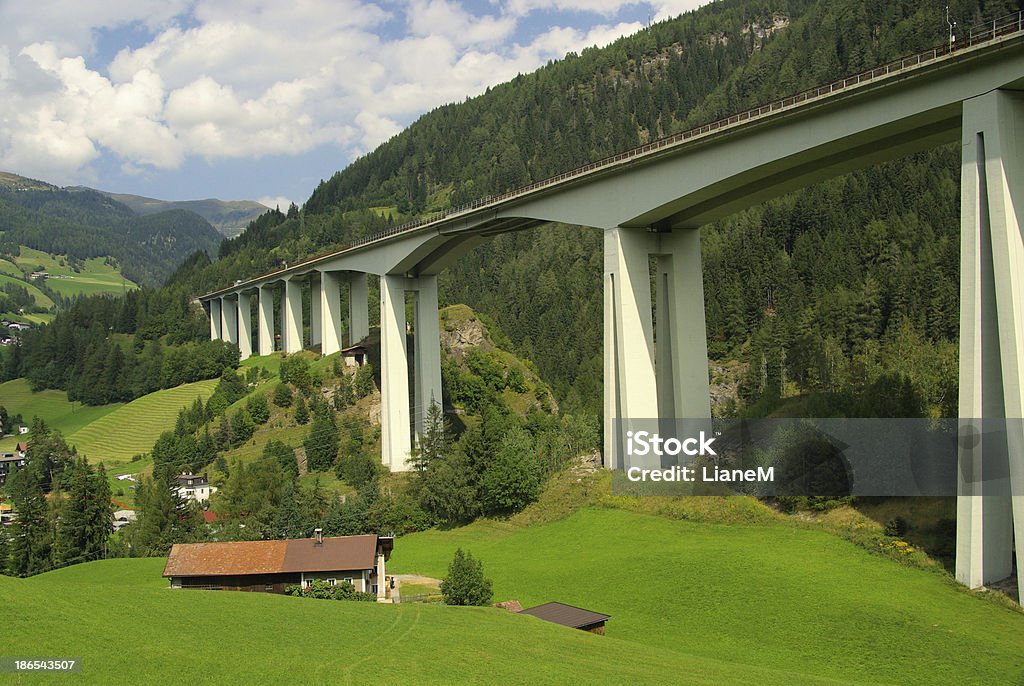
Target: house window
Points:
(332, 582)
(349, 579)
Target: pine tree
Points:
(322, 442)
(301, 411)
(436, 440)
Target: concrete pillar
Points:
(229, 317)
(244, 326)
(266, 320)
(315, 320)
(680, 339)
(990, 504)
(291, 324)
(358, 307)
(396, 443)
(381, 578)
(630, 386)
(427, 350)
(648, 385)
(216, 325)
(330, 307)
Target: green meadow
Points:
(255, 638)
(773, 595)
(133, 428)
(52, 406)
(96, 277)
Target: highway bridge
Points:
(650, 201)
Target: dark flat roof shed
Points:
(566, 615)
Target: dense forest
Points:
(83, 223)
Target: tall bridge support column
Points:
(358, 307)
(266, 320)
(330, 307)
(428, 351)
(991, 511)
(229, 319)
(244, 326)
(315, 309)
(216, 325)
(637, 385)
(291, 323)
(396, 440)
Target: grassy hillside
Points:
(133, 428)
(96, 276)
(52, 406)
(772, 596)
(243, 638)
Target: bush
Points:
(283, 395)
(322, 590)
(465, 583)
(258, 409)
(301, 412)
(896, 527)
(364, 381)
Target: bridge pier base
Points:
(638, 385)
(990, 502)
(396, 420)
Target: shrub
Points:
(465, 583)
(896, 527)
(258, 409)
(283, 395)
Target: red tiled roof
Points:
(272, 557)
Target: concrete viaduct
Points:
(650, 201)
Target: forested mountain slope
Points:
(83, 223)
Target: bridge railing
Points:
(978, 35)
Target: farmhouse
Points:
(194, 487)
(271, 566)
(570, 616)
(8, 463)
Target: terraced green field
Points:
(256, 638)
(775, 596)
(133, 428)
(96, 276)
(53, 406)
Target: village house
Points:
(272, 566)
(123, 518)
(194, 487)
(9, 462)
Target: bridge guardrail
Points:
(979, 35)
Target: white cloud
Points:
(670, 9)
(276, 201)
(607, 8)
(251, 78)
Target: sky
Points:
(259, 99)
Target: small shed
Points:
(570, 616)
(354, 356)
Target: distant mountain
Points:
(229, 217)
(83, 223)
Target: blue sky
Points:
(259, 99)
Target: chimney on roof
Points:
(319, 533)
